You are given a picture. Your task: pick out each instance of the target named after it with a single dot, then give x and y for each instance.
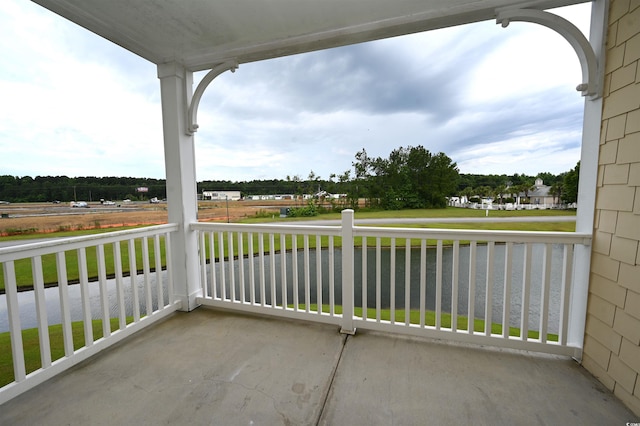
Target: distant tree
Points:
(547, 178)
(410, 177)
(556, 192)
(570, 184)
(525, 187)
(500, 192)
(467, 193)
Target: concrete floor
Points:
(208, 367)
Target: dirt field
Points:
(44, 217)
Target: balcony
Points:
(302, 325)
(210, 367)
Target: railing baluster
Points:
(544, 296)
(41, 310)
(565, 293)
(241, 267)
(167, 245)
(158, 262)
(378, 278)
(252, 272)
(488, 299)
(117, 261)
(332, 277)
(455, 283)
(272, 270)
(261, 265)
(407, 282)
(471, 298)
(506, 304)
(307, 278)
(133, 274)
(526, 285)
(319, 274)
(221, 266)
(283, 269)
(203, 265)
(294, 271)
(232, 273)
(365, 279)
(423, 280)
(212, 265)
(104, 295)
(65, 309)
(392, 282)
(84, 294)
(15, 329)
(438, 284)
(147, 275)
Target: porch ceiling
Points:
(201, 33)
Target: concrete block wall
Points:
(612, 335)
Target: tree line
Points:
(410, 177)
(62, 188)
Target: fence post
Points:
(175, 87)
(347, 272)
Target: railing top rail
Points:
(71, 243)
(268, 228)
(428, 233)
(475, 235)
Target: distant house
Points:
(221, 195)
(540, 194)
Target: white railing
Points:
(516, 286)
(132, 303)
(278, 286)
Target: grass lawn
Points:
(449, 212)
(430, 320)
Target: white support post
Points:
(587, 184)
(347, 272)
(179, 153)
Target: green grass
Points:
(31, 346)
(449, 212)
(430, 320)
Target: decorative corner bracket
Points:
(192, 110)
(590, 85)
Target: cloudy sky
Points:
(495, 100)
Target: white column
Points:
(179, 153)
(587, 183)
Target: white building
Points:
(221, 195)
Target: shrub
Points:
(308, 211)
